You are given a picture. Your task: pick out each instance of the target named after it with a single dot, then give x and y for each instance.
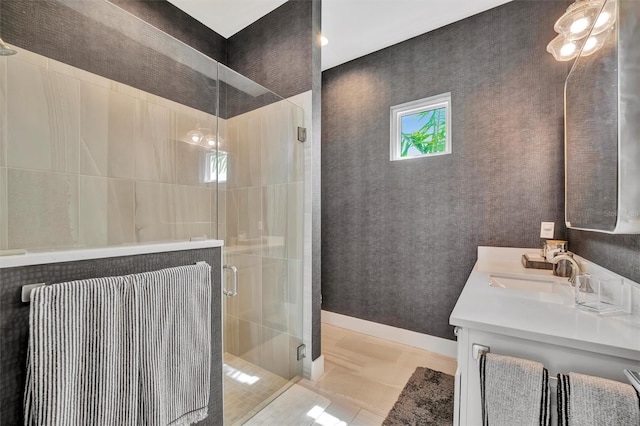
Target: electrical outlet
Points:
(546, 230)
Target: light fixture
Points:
(203, 137)
(194, 137)
(323, 41)
(210, 139)
(583, 29)
(595, 42)
(563, 49)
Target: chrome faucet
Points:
(575, 270)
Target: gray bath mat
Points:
(427, 399)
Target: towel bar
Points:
(26, 289)
(634, 378)
(478, 350)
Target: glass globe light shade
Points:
(577, 21)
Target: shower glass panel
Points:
(113, 132)
(98, 115)
(261, 212)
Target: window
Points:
(212, 174)
(421, 128)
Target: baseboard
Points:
(398, 335)
(317, 368)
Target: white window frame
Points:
(414, 107)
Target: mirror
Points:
(602, 131)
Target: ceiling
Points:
(354, 28)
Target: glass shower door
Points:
(260, 187)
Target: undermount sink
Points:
(521, 284)
(529, 285)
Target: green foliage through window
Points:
(214, 161)
(429, 138)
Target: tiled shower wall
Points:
(89, 162)
(261, 214)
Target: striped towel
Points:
(121, 350)
(514, 391)
(594, 401)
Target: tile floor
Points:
(363, 378)
(248, 388)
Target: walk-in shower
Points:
(114, 133)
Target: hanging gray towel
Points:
(92, 359)
(593, 401)
(174, 308)
(514, 391)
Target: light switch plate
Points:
(546, 230)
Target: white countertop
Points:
(45, 257)
(530, 315)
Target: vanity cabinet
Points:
(555, 357)
(531, 325)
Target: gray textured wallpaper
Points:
(52, 29)
(399, 238)
(618, 253)
(173, 21)
(275, 51)
(316, 202)
(14, 317)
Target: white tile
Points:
(124, 89)
(42, 210)
(155, 146)
(294, 298)
(366, 418)
(93, 211)
(221, 205)
(106, 211)
(296, 162)
(3, 111)
(43, 119)
(274, 220)
(219, 210)
(229, 136)
(252, 152)
(276, 350)
(297, 406)
(60, 67)
(247, 305)
(275, 293)
(250, 341)
(247, 388)
(120, 212)
(94, 130)
(3, 209)
(191, 164)
(337, 414)
(276, 150)
(89, 77)
(192, 211)
(155, 215)
(29, 57)
(232, 203)
(295, 220)
(123, 111)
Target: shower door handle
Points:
(233, 292)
